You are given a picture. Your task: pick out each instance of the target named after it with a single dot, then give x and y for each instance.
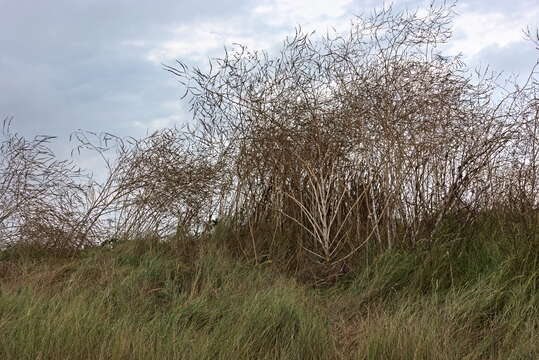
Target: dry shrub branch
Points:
(373, 134)
(333, 143)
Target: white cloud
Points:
(158, 123)
(304, 12)
(193, 43)
(197, 41)
(262, 27)
(477, 31)
(175, 112)
(134, 43)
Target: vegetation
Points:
(470, 296)
(353, 196)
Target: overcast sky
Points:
(96, 64)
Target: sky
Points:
(97, 64)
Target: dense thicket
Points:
(369, 138)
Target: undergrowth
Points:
(471, 294)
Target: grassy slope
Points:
(472, 296)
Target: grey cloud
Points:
(507, 7)
(63, 65)
(515, 58)
(67, 64)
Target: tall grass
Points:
(121, 303)
(475, 296)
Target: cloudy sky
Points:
(96, 64)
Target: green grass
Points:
(471, 295)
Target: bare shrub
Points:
(332, 144)
(373, 134)
(38, 194)
(153, 185)
(156, 184)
